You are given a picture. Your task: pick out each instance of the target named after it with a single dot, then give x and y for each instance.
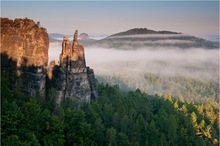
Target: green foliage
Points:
(183, 88)
(110, 135)
(17, 25)
(115, 118)
(38, 23)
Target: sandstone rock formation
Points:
(24, 50)
(66, 53)
(50, 73)
(78, 62)
(75, 80)
(84, 36)
(27, 44)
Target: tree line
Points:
(115, 118)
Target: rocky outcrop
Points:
(77, 61)
(84, 36)
(24, 50)
(75, 80)
(27, 44)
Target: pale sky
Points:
(101, 17)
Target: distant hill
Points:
(145, 38)
(53, 37)
(56, 35)
(135, 31)
(54, 40)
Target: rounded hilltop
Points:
(135, 31)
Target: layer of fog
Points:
(158, 70)
(129, 42)
(61, 38)
(90, 37)
(97, 37)
(55, 49)
(214, 38)
(191, 63)
(159, 42)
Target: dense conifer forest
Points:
(115, 118)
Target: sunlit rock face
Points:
(50, 73)
(78, 62)
(27, 44)
(75, 80)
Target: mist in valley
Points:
(160, 70)
(193, 63)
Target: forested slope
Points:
(115, 118)
(184, 88)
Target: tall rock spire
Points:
(75, 39)
(65, 55)
(75, 80)
(77, 57)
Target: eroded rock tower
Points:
(74, 79)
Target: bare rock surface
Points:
(24, 50)
(27, 44)
(75, 80)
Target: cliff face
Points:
(24, 50)
(72, 78)
(27, 44)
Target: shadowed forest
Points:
(115, 118)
